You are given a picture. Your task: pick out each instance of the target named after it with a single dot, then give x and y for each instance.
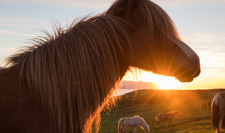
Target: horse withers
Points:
(62, 82)
(135, 121)
(166, 117)
(218, 111)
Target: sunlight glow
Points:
(163, 82)
(167, 83)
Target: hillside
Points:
(147, 103)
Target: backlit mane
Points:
(72, 65)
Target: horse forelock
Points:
(158, 19)
(74, 69)
(152, 17)
(148, 15)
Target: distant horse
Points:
(135, 121)
(166, 117)
(218, 111)
(203, 106)
(206, 105)
(62, 82)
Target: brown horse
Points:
(203, 106)
(166, 117)
(62, 82)
(206, 105)
(218, 111)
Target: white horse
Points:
(218, 111)
(135, 121)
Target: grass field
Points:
(147, 103)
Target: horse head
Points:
(147, 129)
(178, 114)
(156, 45)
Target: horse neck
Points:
(143, 123)
(8, 79)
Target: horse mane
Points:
(74, 69)
(148, 15)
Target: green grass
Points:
(147, 103)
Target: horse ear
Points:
(122, 7)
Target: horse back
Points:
(162, 117)
(18, 111)
(129, 121)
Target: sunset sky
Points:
(201, 24)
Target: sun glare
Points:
(163, 82)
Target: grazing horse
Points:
(135, 121)
(62, 82)
(206, 105)
(203, 106)
(166, 117)
(218, 111)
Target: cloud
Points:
(17, 22)
(106, 3)
(6, 52)
(209, 46)
(201, 41)
(15, 33)
(67, 3)
(200, 37)
(186, 2)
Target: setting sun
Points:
(163, 82)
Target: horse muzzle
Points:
(189, 76)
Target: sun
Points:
(167, 83)
(163, 82)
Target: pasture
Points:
(147, 103)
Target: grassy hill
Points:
(147, 103)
